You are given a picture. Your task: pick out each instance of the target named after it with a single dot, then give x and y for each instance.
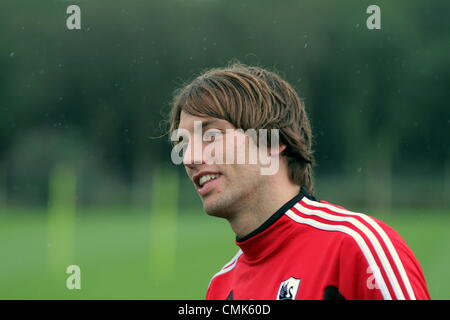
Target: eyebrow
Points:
(207, 123)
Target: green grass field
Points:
(114, 250)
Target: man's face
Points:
(223, 188)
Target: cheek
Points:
(244, 149)
(241, 143)
(241, 175)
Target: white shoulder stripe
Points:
(382, 233)
(373, 240)
(359, 240)
(227, 267)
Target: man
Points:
(292, 246)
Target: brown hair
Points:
(252, 97)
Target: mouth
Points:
(206, 181)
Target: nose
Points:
(192, 155)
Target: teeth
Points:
(206, 178)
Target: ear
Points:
(277, 150)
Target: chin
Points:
(215, 207)
(213, 211)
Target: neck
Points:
(255, 211)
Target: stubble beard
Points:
(230, 202)
(220, 205)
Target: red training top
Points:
(315, 250)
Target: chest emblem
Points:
(288, 289)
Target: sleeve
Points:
(380, 268)
(208, 293)
(211, 292)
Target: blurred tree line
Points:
(96, 98)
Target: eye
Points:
(212, 134)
